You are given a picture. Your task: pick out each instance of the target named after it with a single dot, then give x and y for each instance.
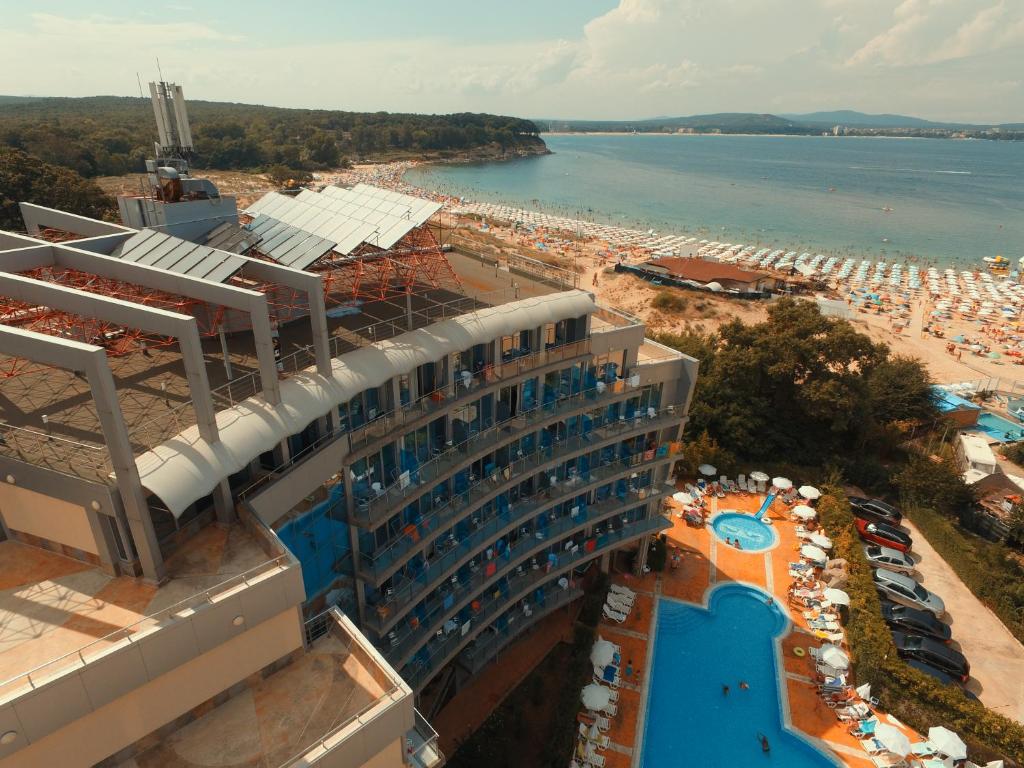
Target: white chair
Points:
(613, 615)
(618, 588)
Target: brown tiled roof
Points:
(703, 271)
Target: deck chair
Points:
(595, 760)
(751, 486)
(613, 615)
(621, 597)
(741, 481)
(761, 486)
(617, 605)
(603, 723)
(622, 590)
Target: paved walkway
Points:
(995, 655)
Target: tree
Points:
(322, 150)
(934, 483)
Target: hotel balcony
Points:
(486, 531)
(447, 641)
(371, 511)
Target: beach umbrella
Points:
(602, 653)
(758, 476)
(820, 540)
(892, 739)
(804, 512)
(809, 492)
(595, 697)
(834, 656)
(707, 470)
(864, 691)
(812, 552)
(782, 483)
(682, 497)
(838, 597)
(947, 743)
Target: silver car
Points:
(902, 589)
(888, 558)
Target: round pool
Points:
(754, 535)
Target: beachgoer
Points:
(765, 746)
(595, 278)
(744, 686)
(725, 690)
(728, 541)
(629, 669)
(738, 544)
(770, 601)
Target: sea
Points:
(930, 201)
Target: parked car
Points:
(875, 510)
(884, 535)
(933, 653)
(888, 558)
(915, 621)
(900, 588)
(942, 677)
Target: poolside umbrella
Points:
(809, 492)
(838, 597)
(594, 733)
(707, 470)
(758, 476)
(864, 691)
(804, 512)
(595, 697)
(892, 739)
(682, 497)
(820, 540)
(602, 653)
(782, 483)
(834, 656)
(947, 743)
(812, 552)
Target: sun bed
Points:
(613, 615)
(622, 590)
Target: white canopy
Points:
(758, 476)
(809, 492)
(804, 512)
(820, 540)
(812, 552)
(595, 697)
(947, 743)
(187, 467)
(682, 497)
(864, 691)
(707, 470)
(834, 656)
(838, 597)
(782, 483)
(602, 653)
(892, 739)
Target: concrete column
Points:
(101, 535)
(263, 340)
(199, 385)
(223, 504)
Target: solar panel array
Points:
(156, 249)
(363, 214)
(230, 236)
(286, 244)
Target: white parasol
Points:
(707, 470)
(782, 483)
(812, 552)
(947, 743)
(809, 492)
(820, 540)
(682, 497)
(758, 476)
(804, 512)
(838, 597)
(892, 739)
(602, 653)
(834, 656)
(595, 697)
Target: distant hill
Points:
(851, 117)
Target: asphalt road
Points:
(995, 655)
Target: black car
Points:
(939, 675)
(933, 653)
(875, 510)
(914, 621)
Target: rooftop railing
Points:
(62, 454)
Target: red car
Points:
(886, 535)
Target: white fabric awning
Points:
(186, 467)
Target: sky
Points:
(956, 60)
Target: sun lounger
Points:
(621, 597)
(603, 723)
(595, 760)
(611, 709)
(887, 761)
(622, 590)
(615, 605)
(613, 615)
(871, 746)
(741, 480)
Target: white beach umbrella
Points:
(947, 743)
(864, 691)
(834, 656)
(838, 597)
(602, 653)
(820, 540)
(782, 483)
(707, 470)
(682, 497)
(809, 492)
(892, 739)
(595, 697)
(812, 552)
(804, 512)
(758, 476)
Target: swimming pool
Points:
(754, 535)
(689, 720)
(998, 428)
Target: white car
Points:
(888, 558)
(900, 588)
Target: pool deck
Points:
(707, 561)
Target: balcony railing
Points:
(419, 670)
(423, 751)
(467, 386)
(440, 607)
(415, 482)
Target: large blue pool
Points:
(997, 428)
(689, 720)
(754, 535)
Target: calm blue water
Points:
(697, 651)
(997, 428)
(753, 534)
(951, 200)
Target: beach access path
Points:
(995, 655)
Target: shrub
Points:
(669, 301)
(913, 697)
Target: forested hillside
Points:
(109, 136)
(24, 178)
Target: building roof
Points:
(704, 271)
(976, 450)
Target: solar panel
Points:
(289, 245)
(172, 254)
